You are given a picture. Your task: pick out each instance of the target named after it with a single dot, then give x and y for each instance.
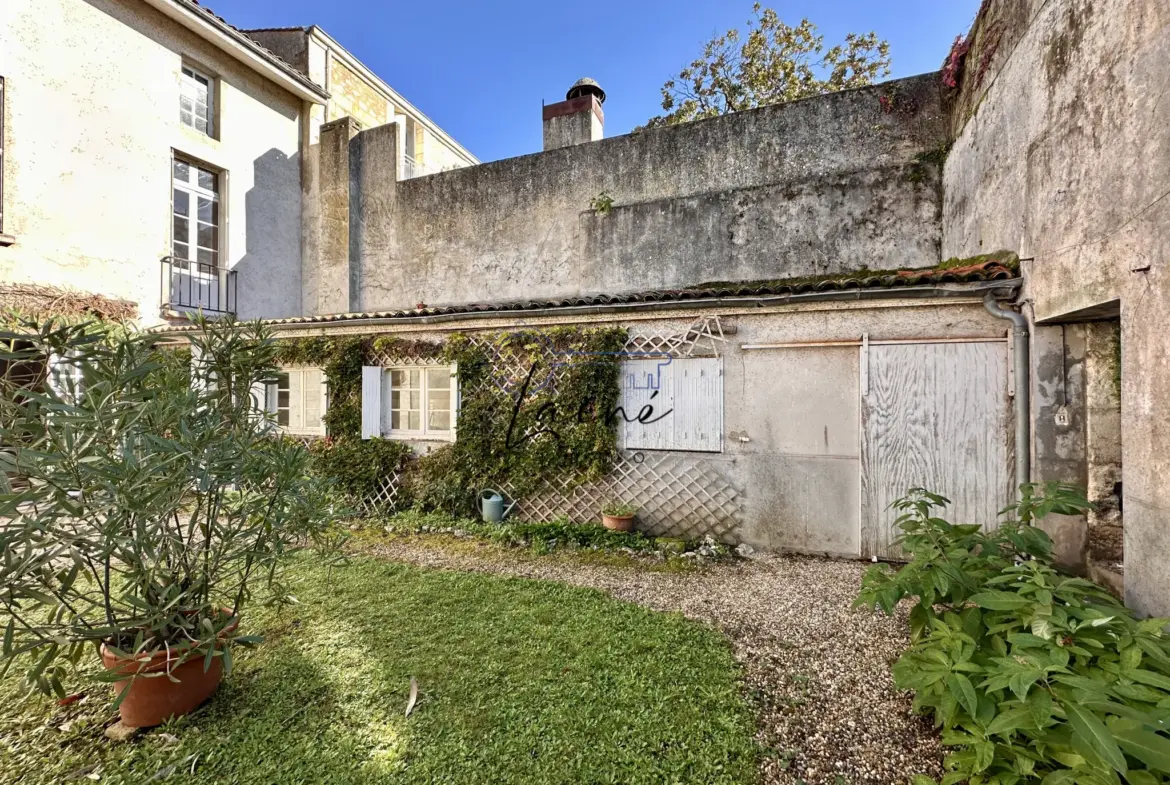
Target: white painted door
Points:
(935, 416)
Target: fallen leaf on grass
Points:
(413, 696)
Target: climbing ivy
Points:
(551, 419)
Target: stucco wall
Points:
(91, 122)
(833, 183)
(1064, 156)
(791, 415)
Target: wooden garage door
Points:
(936, 416)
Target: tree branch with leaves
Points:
(771, 63)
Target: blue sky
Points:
(480, 69)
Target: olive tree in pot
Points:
(153, 499)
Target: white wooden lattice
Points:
(678, 494)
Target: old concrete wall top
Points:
(828, 184)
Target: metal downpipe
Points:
(1023, 403)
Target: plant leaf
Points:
(1150, 748)
(1000, 600)
(1094, 733)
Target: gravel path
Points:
(817, 670)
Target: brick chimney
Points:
(577, 119)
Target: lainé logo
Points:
(546, 414)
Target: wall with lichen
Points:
(1063, 155)
(825, 185)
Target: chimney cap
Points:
(585, 86)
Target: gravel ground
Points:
(817, 671)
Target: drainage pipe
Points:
(1023, 387)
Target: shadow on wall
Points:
(268, 275)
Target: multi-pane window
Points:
(297, 401)
(197, 101)
(422, 402)
(195, 204)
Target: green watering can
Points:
(491, 506)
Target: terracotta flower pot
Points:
(619, 523)
(152, 700)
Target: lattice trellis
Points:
(384, 500)
(678, 495)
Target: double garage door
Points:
(855, 427)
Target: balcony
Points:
(192, 286)
(412, 168)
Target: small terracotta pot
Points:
(619, 523)
(153, 700)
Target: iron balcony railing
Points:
(193, 286)
(412, 168)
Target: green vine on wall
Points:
(523, 418)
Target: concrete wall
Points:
(1063, 155)
(824, 185)
(92, 120)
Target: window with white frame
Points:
(298, 400)
(422, 402)
(195, 209)
(197, 101)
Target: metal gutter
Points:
(1023, 399)
(233, 42)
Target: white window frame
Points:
(272, 400)
(195, 192)
(190, 75)
(424, 433)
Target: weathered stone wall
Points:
(829, 184)
(1063, 155)
(91, 122)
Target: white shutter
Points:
(312, 394)
(371, 401)
(64, 378)
(681, 401)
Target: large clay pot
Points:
(153, 700)
(619, 523)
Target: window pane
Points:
(205, 210)
(395, 421)
(182, 171)
(282, 417)
(282, 398)
(186, 105)
(201, 124)
(295, 414)
(181, 228)
(208, 180)
(439, 378)
(208, 236)
(397, 378)
(182, 203)
(181, 251)
(413, 421)
(207, 258)
(439, 420)
(395, 399)
(439, 399)
(413, 399)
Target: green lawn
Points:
(520, 681)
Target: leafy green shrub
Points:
(153, 495)
(357, 467)
(1034, 676)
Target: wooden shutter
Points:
(681, 403)
(371, 401)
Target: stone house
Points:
(816, 288)
(156, 154)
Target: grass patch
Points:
(520, 681)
